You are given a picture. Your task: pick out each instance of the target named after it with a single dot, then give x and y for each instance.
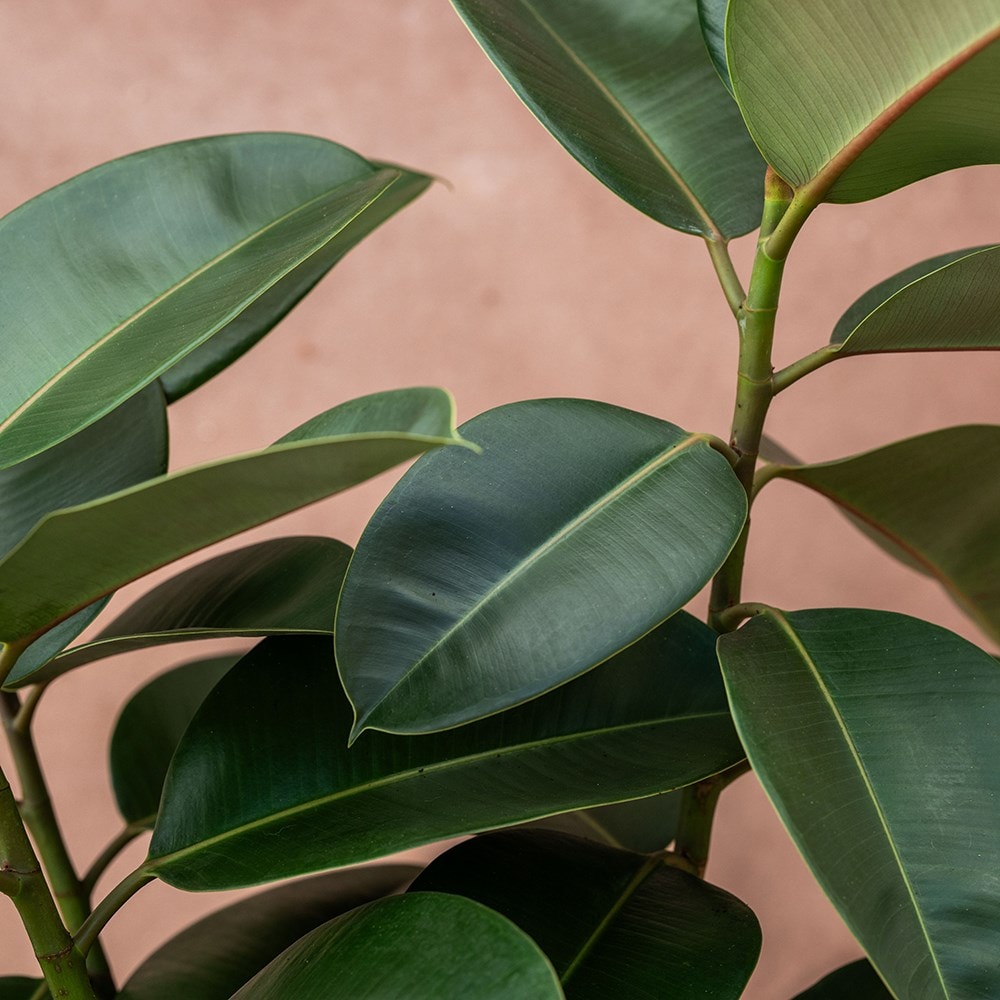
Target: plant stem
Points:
(732, 287)
(104, 859)
(694, 829)
(62, 964)
(40, 819)
(810, 363)
(86, 937)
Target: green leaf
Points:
(581, 527)
(588, 907)
(213, 958)
(18, 987)
(849, 100)
(935, 502)
(642, 825)
(285, 585)
(947, 303)
(857, 981)
(148, 730)
(712, 15)
(241, 333)
(127, 268)
(630, 91)
(420, 947)
(263, 785)
(75, 556)
(874, 735)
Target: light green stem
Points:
(86, 937)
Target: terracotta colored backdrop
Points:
(524, 278)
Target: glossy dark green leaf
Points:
(18, 987)
(124, 270)
(241, 333)
(148, 730)
(642, 825)
(857, 981)
(613, 923)
(849, 100)
(712, 14)
(283, 585)
(875, 736)
(213, 958)
(630, 90)
(421, 947)
(935, 501)
(75, 556)
(579, 528)
(263, 785)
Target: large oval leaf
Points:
(947, 303)
(283, 585)
(74, 556)
(934, 500)
(875, 735)
(241, 333)
(213, 958)
(148, 730)
(127, 268)
(479, 584)
(587, 907)
(849, 99)
(426, 946)
(263, 785)
(630, 90)
(857, 981)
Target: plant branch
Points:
(86, 937)
(718, 250)
(40, 819)
(108, 855)
(810, 363)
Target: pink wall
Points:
(526, 278)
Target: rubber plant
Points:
(507, 648)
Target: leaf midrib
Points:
(782, 622)
(565, 532)
(421, 771)
(191, 277)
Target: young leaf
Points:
(124, 270)
(857, 981)
(74, 556)
(875, 736)
(283, 585)
(849, 100)
(213, 958)
(263, 785)
(148, 730)
(630, 90)
(580, 528)
(587, 906)
(421, 947)
(935, 501)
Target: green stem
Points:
(86, 937)
(732, 287)
(104, 859)
(40, 819)
(61, 962)
(694, 828)
(810, 363)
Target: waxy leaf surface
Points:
(630, 90)
(421, 947)
(480, 584)
(876, 738)
(947, 303)
(148, 730)
(284, 585)
(74, 556)
(857, 981)
(851, 99)
(263, 785)
(588, 907)
(124, 270)
(213, 958)
(934, 501)
(712, 15)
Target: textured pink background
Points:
(526, 278)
